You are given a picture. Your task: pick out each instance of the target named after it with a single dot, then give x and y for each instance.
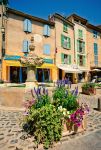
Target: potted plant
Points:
(89, 88)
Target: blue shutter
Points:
(95, 49)
(29, 26)
(96, 59)
(25, 46)
(45, 30)
(20, 75)
(48, 30)
(25, 26)
(28, 43)
(46, 49)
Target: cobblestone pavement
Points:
(12, 137)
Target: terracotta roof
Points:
(85, 21)
(99, 26)
(93, 27)
(17, 12)
(78, 18)
(63, 18)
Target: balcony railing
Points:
(95, 63)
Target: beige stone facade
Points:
(15, 35)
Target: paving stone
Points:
(1, 138)
(14, 141)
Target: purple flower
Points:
(46, 92)
(36, 91)
(76, 91)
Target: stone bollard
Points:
(99, 104)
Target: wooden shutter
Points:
(69, 58)
(46, 49)
(69, 43)
(25, 26)
(95, 49)
(48, 30)
(96, 59)
(65, 27)
(77, 45)
(83, 46)
(28, 45)
(29, 23)
(84, 60)
(80, 33)
(25, 46)
(45, 33)
(62, 58)
(62, 40)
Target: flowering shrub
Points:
(45, 124)
(44, 119)
(65, 98)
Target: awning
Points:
(96, 70)
(69, 68)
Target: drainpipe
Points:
(2, 36)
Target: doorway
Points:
(18, 74)
(60, 74)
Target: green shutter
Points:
(80, 33)
(83, 46)
(84, 60)
(69, 57)
(62, 40)
(62, 58)
(65, 27)
(77, 45)
(69, 43)
(78, 59)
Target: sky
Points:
(88, 9)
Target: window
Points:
(65, 59)
(95, 54)
(95, 34)
(81, 60)
(65, 27)
(25, 46)
(27, 26)
(95, 49)
(96, 59)
(80, 34)
(80, 46)
(46, 49)
(46, 31)
(65, 42)
(43, 75)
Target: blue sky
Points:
(89, 9)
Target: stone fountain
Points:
(31, 61)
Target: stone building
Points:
(19, 28)
(70, 46)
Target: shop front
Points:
(14, 72)
(68, 72)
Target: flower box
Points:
(74, 129)
(89, 91)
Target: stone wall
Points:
(12, 96)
